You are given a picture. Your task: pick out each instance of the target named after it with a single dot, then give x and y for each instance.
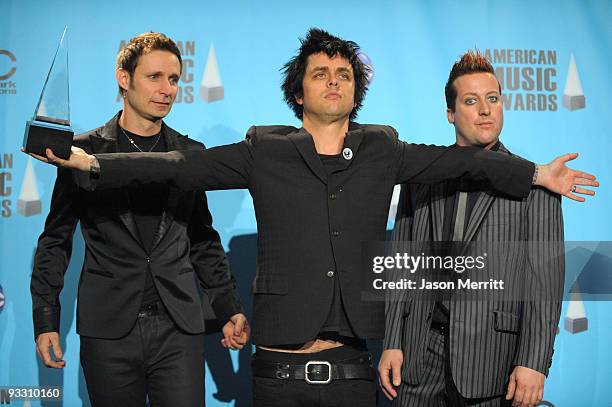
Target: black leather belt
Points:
(316, 372)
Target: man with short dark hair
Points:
(319, 192)
(458, 352)
(141, 309)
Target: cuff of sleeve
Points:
(541, 362)
(46, 319)
(524, 175)
(226, 305)
(539, 366)
(393, 340)
(86, 180)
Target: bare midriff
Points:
(313, 346)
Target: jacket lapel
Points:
(305, 145)
(172, 143)
(480, 210)
(105, 138)
(481, 207)
(105, 141)
(438, 202)
(352, 141)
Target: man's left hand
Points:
(557, 177)
(526, 386)
(236, 332)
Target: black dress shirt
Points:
(147, 202)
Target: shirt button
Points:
(332, 196)
(335, 233)
(330, 273)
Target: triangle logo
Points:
(29, 203)
(573, 96)
(211, 88)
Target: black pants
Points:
(269, 392)
(155, 358)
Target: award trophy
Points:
(50, 126)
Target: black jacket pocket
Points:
(507, 322)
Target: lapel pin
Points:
(347, 153)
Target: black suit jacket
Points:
(186, 253)
(311, 226)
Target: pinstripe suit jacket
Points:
(487, 338)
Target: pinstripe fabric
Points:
(487, 339)
(432, 390)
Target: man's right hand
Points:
(390, 363)
(44, 342)
(78, 160)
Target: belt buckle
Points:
(314, 363)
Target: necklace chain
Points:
(132, 142)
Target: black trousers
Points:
(155, 358)
(268, 392)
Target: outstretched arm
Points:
(223, 167)
(427, 164)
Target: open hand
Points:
(556, 177)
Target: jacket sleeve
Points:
(428, 164)
(53, 254)
(223, 167)
(395, 302)
(210, 263)
(545, 275)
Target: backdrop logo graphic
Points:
(573, 96)
(2, 298)
(185, 93)
(211, 88)
(575, 318)
(588, 272)
(7, 70)
(6, 176)
(527, 77)
(29, 203)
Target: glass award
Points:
(50, 126)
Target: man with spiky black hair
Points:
(319, 192)
(319, 41)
